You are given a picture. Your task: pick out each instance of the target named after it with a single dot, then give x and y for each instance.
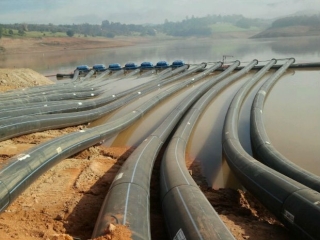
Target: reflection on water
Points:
(205, 142)
(298, 46)
(292, 118)
(142, 128)
(190, 50)
(244, 116)
(292, 112)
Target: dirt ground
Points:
(65, 201)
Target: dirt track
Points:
(65, 201)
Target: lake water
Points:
(292, 111)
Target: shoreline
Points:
(24, 45)
(10, 46)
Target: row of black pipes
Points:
(294, 204)
(180, 196)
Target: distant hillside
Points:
(293, 26)
(189, 27)
(308, 12)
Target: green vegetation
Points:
(31, 34)
(70, 33)
(292, 27)
(311, 21)
(228, 27)
(194, 26)
(205, 26)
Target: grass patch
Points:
(228, 27)
(36, 34)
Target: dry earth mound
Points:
(11, 78)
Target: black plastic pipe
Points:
(266, 153)
(88, 75)
(132, 182)
(187, 211)
(49, 92)
(59, 87)
(53, 107)
(31, 123)
(75, 75)
(295, 205)
(21, 170)
(55, 97)
(24, 107)
(26, 95)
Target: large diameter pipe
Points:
(54, 107)
(294, 204)
(21, 170)
(187, 211)
(55, 97)
(31, 123)
(266, 152)
(133, 180)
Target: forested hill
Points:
(293, 26)
(190, 26)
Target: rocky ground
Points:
(65, 201)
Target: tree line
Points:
(106, 29)
(312, 21)
(190, 26)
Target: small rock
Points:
(59, 217)
(111, 228)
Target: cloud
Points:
(141, 11)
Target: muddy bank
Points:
(54, 44)
(66, 200)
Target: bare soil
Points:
(65, 201)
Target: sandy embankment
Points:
(65, 201)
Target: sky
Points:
(142, 11)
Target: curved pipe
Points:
(36, 90)
(52, 92)
(59, 86)
(48, 92)
(132, 182)
(117, 73)
(146, 73)
(22, 96)
(88, 75)
(70, 106)
(132, 73)
(54, 97)
(294, 204)
(21, 170)
(75, 106)
(104, 75)
(266, 152)
(186, 209)
(27, 124)
(75, 75)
